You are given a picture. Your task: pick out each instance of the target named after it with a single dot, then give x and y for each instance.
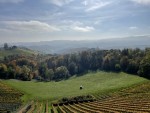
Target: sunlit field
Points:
(93, 83)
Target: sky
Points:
(46, 20)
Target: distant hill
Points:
(17, 51)
(68, 46)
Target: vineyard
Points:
(134, 99)
(9, 99)
(131, 100)
(35, 107)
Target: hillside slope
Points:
(71, 46)
(17, 51)
(135, 99)
(93, 83)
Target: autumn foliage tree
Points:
(58, 67)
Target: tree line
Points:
(58, 67)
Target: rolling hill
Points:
(70, 46)
(17, 51)
(93, 83)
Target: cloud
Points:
(84, 3)
(76, 26)
(133, 28)
(29, 26)
(97, 6)
(11, 1)
(98, 22)
(72, 23)
(59, 2)
(145, 2)
(83, 29)
(92, 5)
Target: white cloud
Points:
(133, 28)
(59, 2)
(145, 2)
(76, 26)
(97, 6)
(92, 5)
(98, 22)
(84, 3)
(29, 26)
(11, 1)
(83, 29)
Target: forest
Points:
(58, 67)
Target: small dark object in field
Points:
(81, 87)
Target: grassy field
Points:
(19, 51)
(93, 83)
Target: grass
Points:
(93, 83)
(19, 51)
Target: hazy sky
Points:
(42, 20)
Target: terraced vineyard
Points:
(35, 107)
(9, 99)
(132, 100)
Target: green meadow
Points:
(93, 83)
(17, 51)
